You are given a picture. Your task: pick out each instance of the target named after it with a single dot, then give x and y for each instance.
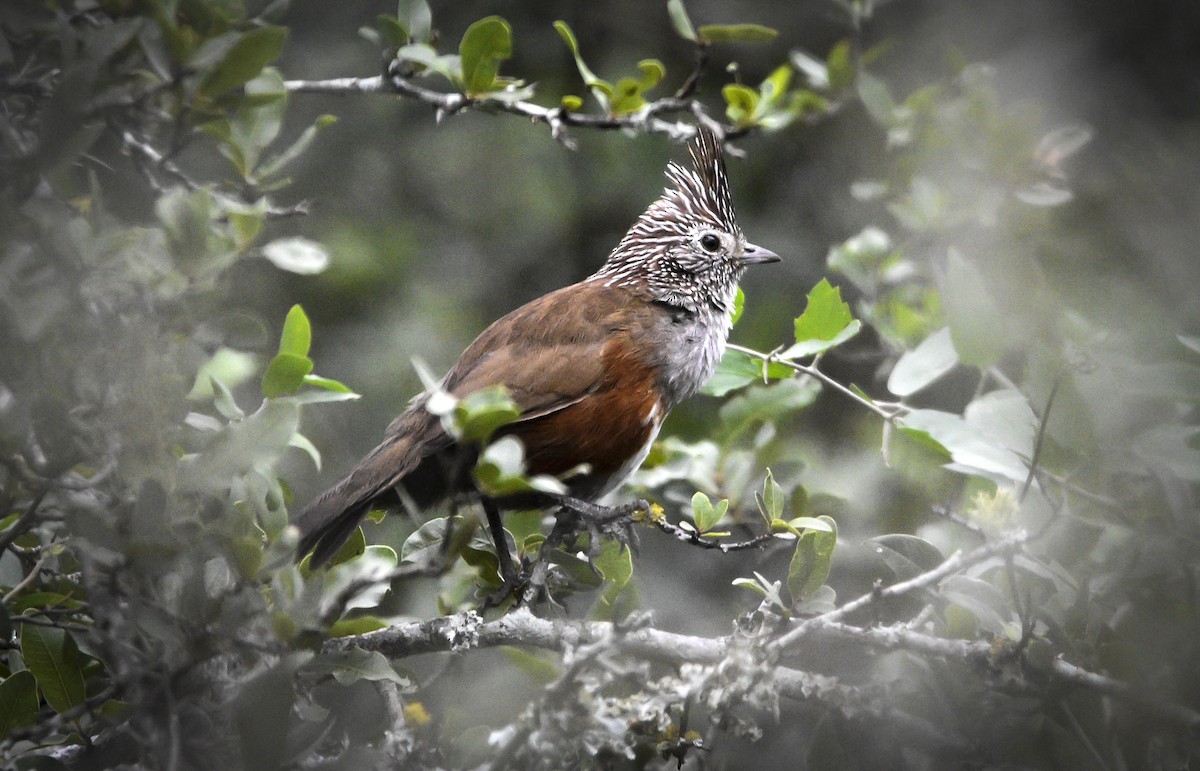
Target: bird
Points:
(593, 368)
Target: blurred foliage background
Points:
(1022, 173)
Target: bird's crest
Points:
(703, 190)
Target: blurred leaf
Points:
(277, 164)
(739, 304)
(765, 404)
(875, 98)
(1191, 342)
(356, 625)
(354, 547)
(736, 33)
(811, 561)
(923, 365)
(50, 656)
(500, 471)
(245, 60)
(976, 324)
(260, 716)
(907, 555)
(840, 66)
(980, 598)
(542, 666)
(416, 17)
(391, 33)
(680, 20)
(297, 255)
(825, 322)
(354, 664)
(615, 564)
(484, 45)
(18, 701)
(1171, 448)
(479, 414)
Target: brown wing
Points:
(549, 353)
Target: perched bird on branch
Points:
(594, 367)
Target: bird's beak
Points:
(756, 255)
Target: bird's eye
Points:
(710, 243)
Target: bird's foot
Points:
(602, 521)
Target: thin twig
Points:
(813, 371)
(954, 563)
(451, 103)
(25, 521)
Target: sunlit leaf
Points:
(736, 33)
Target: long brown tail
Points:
(329, 519)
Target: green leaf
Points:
(392, 34)
(285, 374)
(762, 404)
(327, 384)
(736, 33)
(680, 20)
(479, 414)
(484, 45)
(741, 103)
(18, 701)
(297, 255)
(840, 66)
(811, 561)
(735, 370)
(772, 498)
(244, 60)
(615, 564)
(51, 656)
(704, 514)
(296, 337)
(826, 322)
(923, 365)
(345, 627)
(907, 555)
(627, 95)
(810, 523)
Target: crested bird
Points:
(593, 368)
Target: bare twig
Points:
(695, 538)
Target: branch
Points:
(450, 103)
(984, 652)
(954, 563)
(695, 538)
(520, 627)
